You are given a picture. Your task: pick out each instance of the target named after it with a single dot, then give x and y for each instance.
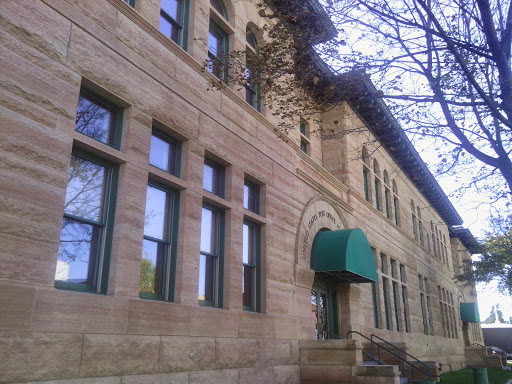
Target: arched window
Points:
(433, 238)
(396, 204)
(376, 171)
(252, 93)
(387, 195)
(218, 40)
(366, 173)
(173, 21)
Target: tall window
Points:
(433, 239)
(86, 236)
(423, 305)
(376, 295)
(218, 43)
(98, 119)
(252, 93)
(159, 246)
(173, 14)
(420, 226)
(376, 172)
(217, 51)
(385, 290)
(387, 195)
(414, 223)
(366, 174)
(405, 302)
(251, 261)
(211, 257)
(395, 204)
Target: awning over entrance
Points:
(345, 255)
(469, 312)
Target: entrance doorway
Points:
(323, 309)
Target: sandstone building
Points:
(153, 231)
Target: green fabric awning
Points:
(469, 312)
(345, 255)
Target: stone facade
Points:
(51, 50)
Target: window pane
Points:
(173, 9)
(159, 153)
(78, 252)
(169, 29)
(248, 244)
(250, 192)
(206, 278)
(211, 178)
(156, 213)
(95, 121)
(152, 267)
(208, 231)
(214, 42)
(86, 188)
(248, 287)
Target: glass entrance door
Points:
(323, 301)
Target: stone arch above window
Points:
(395, 188)
(220, 7)
(419, 211)
(365, 157)
(386, 177)
(376, 168)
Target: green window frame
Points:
(87, 227)
(99, 119)
(218, 50)
(251, 285)
(423, 313)
(165, 153)
(211, 264)
(386, 302)
(397, 216)
(386, 197)
(131, 3)
(366, 178)
(404, 302)
(158, 269)
(375, 308)
(174, 21)
(377, 195)
(395, 303)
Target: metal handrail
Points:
(364, 353)
(429, 374)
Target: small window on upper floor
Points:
(213, 178)
(366, 173)
(219, 7)
(251, 196)
(304, 136)
(98, 119)
(173, 19)
(396, 204)
(131, 3)
(164, 153)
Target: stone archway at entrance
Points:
(319, 214)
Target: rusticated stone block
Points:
(159, 378)
(287, 374)
(257, 375)
(28, 356)
(16, 303)
(93, 380)
(224, 376)
(65, 311)
(183, 353)
(108, 355)
(235, 353)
